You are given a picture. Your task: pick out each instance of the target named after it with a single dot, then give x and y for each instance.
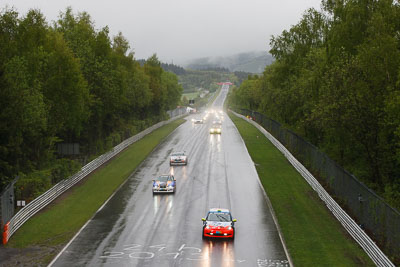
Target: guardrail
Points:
(373, 251)
(46, 198)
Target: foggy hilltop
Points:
(251, 62)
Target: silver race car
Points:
(198, 121)
(178, 158)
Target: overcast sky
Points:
(178, 30)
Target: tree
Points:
(153, 69)
(336, 82)
(172, 88)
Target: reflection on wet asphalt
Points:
(137, 228)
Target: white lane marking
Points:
(133, 255)
(62, 251)
(262, 130)
(83, 227)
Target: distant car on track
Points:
(219, 224)
(198, 121)
(216, 129)
(219, 122)
(178, 158)
(164, 184)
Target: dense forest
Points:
(70, 83)
(178, 70)
(336, 82)
(192, 80)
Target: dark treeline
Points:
(336, 81)
(207, 67)
(68, 82)
(241, 76)
(167, 67)
(192, 80)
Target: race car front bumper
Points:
(218, 233)
(215, 131)
(177, 162)
(163, 190)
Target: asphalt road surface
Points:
(137, 228)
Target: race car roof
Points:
(178, 153)
(218, 210)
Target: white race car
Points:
(198, 121)
(178, 158)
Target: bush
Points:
(63, 169)
(33, 185)
(392, 195)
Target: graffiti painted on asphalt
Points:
(272, 263)
(139, 252)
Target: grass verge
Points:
(58, 223)
(190, 95)
(312, 234)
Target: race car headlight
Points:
(230, 228)
(207, 227)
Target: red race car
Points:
(219, 224)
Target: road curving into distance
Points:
(137, 228)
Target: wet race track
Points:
(137, 228)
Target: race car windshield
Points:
(219, 217)
(177, 154)
(163, 178)
(216, 126)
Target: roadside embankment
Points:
(312, 234)
(41, 238)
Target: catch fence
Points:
(371, 212)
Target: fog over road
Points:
(137, 228)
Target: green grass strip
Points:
(312, 234)
(58, 223)
(190, 95)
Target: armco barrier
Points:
(43, 200)
(373, 251)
